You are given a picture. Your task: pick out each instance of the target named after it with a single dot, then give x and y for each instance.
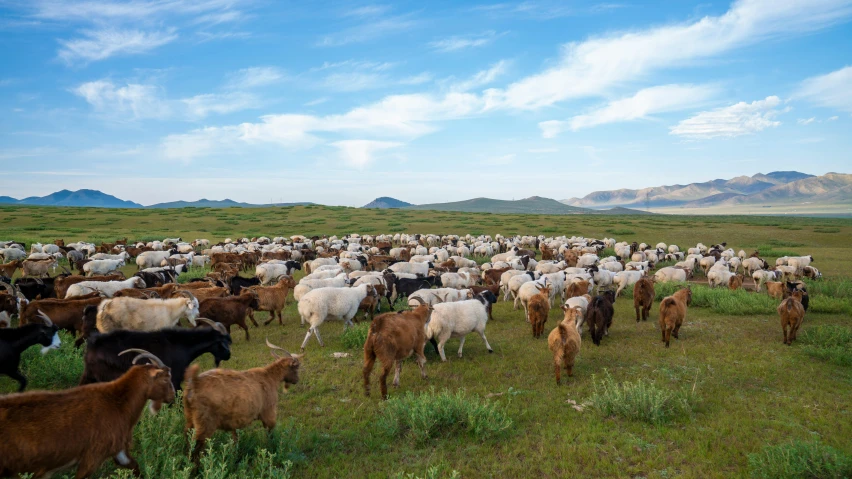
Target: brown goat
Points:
(736, 282)
(273, 298)
(66, 314)
(673, 312)
(538, 308)
(576, 288)
(209, 398)
(792, 314)
(36, 425)
(393, 337)
(165, 291)
(62, 283)
(564, 342)
(8, 269)
(775, 289)
(643, 297)
(229, 311)
(492, 276)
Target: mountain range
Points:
(383, 202)
(778, 187)
(95, 198)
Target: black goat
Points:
(176, 347)
(599, 316)
(238, 283)
(32, 288)
(15, 341)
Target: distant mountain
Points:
(74, 198)
(831, 188)
(226, 203)
(702, 194)
(532, 205)
(386, 202)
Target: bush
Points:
(58, 369)
(829, 343)
(425, 416)
(800, 459)
(641, 400)
(356, 336)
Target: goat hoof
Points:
(490, 351)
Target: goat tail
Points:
(191, 375)
(666, 304)
(563, 333)
(789, 304)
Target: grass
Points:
(355, 336)
(58, 369)
(752, 390)
(828, 343)
(800, 460)
(640, 400)
(428, 416)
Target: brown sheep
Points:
(775, 289)
(673, 312)
(230, 400)
(538, 308)
(492, 276)
(736, 282)
(393, 337)
(792, 314)
(576, 288)
(273, 298)
(564, 342)
(643, 297)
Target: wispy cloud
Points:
(806, 121)
(369, 31)
(360, 153)
(367, 11)
(101, 44)
(352, 75)
(833, 90)
(731, 121)
(481, 78)
(462, 42)
(537, 10)
(254, 77)
(134, 10)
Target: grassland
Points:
(726, 400)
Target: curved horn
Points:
(9, 288)
(279, 348)
(282, 276)
(65, 269)
(215, 325)
(186, 293)
(144, 355)
(419, 302)
(438, 299)
(44, 318)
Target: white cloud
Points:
(317, 101)
(368, 31)
(658, 99)
(254, 77)
(806, 121)
(538, 10)
(833, 90)
(139, 101)
(500, 160)
(551, 128)
(112, 11)
(455, 43)
(483, 77)
(731, 121)
(418, 79)
(594, 66)
(833, 118)
(351, 75)
(360, 153)
(101, 44)
(543, 150)
(367, 11)
(200, 106)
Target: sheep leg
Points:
(784, 325)
(516, 303)
(461, 345)
(441, 349)
(557, 368)
(569, 368)
(251, 317)
(307, 337)
(676, 330)
(319, 338)
(397, 373)
(269, 320)
(637, 312)
(481, 333)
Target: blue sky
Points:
(341, 102)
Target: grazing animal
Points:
(38, 426)
(792, 314)
(393, 337)
(643, 297)
(457, 320)
(673, 312)
(230, 400)
(775, 289)
(538, 308)
(599, 316)
(564, 342)
(231, 310)
(14, 341)
(273, 298)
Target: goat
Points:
(321, 304)
(457, 320)
(273, 298)
(673, 312)
(231, 310)
(564, 342)
(643, 297)
(208, 401)
(101, 417)
(146, 314)
(393, 337)
(792, 314)
(14, 341)
(538, 308)
(599, 316)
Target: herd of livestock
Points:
(137, 353)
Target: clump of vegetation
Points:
(433, 472)
(800, 460)
(829, 343)
(58, 369)
(640, 400)
(620, 232)
(193, 273)
(421, 417)
(355, 336)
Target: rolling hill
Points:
(386, 202)
(226, 203)
(73, 198)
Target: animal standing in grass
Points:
(564, 342)
(673, 312)
(643, 297)
(792, 314)
(538, 308)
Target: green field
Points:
(728, 399)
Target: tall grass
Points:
(356, 336)
(829, 343)
(58, 369)
(640, 400)
(193, 273)
(421, 417)
(721, 300)
(800, 460)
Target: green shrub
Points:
(829, 343)
(641, 400)
(355, 336)
(800, 459)
(835, 288)
(58, 369)
(193, 273)
(425, 416)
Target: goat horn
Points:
(44, 318)
(144, 355)
(9, 288)
(214, 324)
(65, 269)
(186, 293)
(415, 299)
(274, 347)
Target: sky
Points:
(341, 102)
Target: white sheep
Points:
(420, 269)
(104, 288)
(434, 296)
(321, 304)
(306, 285)
(457, 320)
(458, 280)
(515, 283)
(102, 266)
(625, 279)
(761, 276)
(672, 274)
